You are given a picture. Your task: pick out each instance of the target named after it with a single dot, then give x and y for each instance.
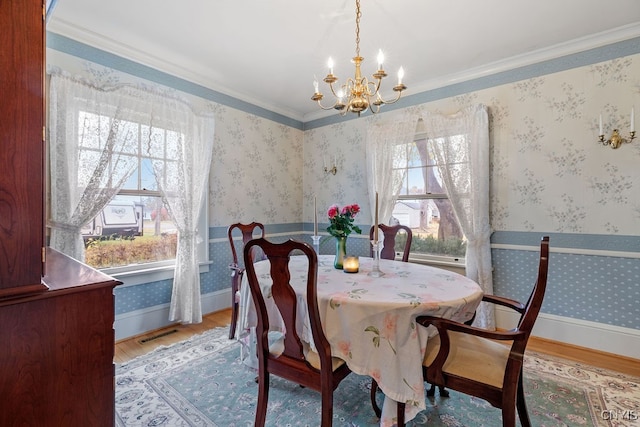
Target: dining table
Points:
(370, 321)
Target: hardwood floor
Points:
(131, 348)
(137, 346)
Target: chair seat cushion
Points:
(472, 357)
(276, 347)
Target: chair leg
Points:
(400, 406)
(441, 389)
(327, 407)
(522, 404)
(234, 319)
(263, 398)
(234, 306)
(509, 404)
(400, 414)
(508, 416)
(374, 404)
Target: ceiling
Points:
(267, 52)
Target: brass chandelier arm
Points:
(323, 107)
(336, 104)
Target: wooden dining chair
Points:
(390, 233)
(289, 357)
(236, 269)
(487, 364)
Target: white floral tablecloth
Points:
(370, 322)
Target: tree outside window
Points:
(423, 205)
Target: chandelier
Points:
(360, 93)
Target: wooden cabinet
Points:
(56, 314)
(56, 359)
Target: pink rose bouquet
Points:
(341, 220)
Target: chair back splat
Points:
(289, 356)
(236, 269)
(390, 233)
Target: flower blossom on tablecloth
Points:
(345, 349)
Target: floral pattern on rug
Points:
(201, 382)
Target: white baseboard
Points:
(140, 321)
(582, 333)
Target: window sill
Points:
(148, 275)
(437, 261)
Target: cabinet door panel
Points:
(21, 146)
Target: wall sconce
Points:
(616, 139)
(333, 169)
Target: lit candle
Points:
(351, 264)
(633, 127)
(601, 125)
(315, 217)
(400, 75)
(375, 224)
(380, 59)
(330, 64)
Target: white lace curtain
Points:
(84, 180)
(460, 144)
(91, 160)
(184, 188)
(384, 152)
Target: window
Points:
(423, 206)
(134, 230)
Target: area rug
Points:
(202, 382)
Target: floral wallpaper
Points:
(256, 174)
(548, 170)
(549, 174)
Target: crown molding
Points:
(195, 73)
(190, 71)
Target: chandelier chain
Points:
(358, 15)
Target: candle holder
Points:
(616, 139)
(375, 268)
(316, 243)
(351, 264)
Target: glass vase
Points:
(341, 252)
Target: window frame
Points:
(423, 258)
(136, 274)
